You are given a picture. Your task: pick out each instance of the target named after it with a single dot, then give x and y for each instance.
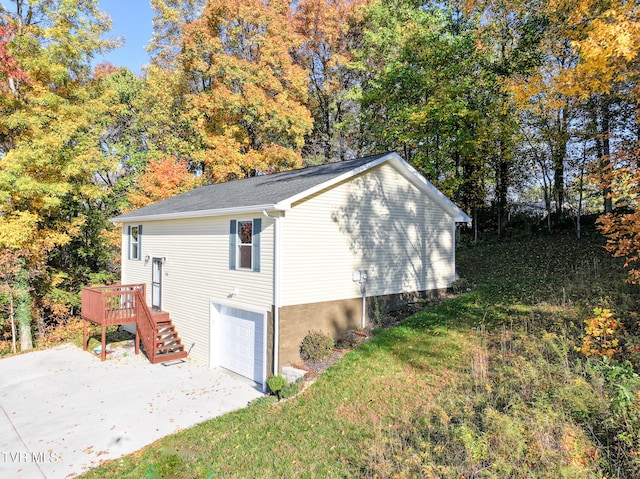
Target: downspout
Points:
(363, 287)
(360, 277)
(277, 274)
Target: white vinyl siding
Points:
(196, 270)
(377, 222)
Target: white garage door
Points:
(239, 337)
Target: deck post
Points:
(84, 334)
(137, 339)
(103, 354)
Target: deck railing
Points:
(146, 327)
(121, 304)
(111, 305)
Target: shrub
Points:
(316, 346)
(601, 334)
(379, 313)
(289, 390)
(462, 285)
(276, 383)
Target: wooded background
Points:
(513, 108)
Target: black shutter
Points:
(257, 227)
(232, 244)
(129, 238)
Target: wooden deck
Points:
(124, 304)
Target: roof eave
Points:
(199, 213)
(462, 218)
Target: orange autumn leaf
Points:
(164, 178)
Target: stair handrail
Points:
(146, 326)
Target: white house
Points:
(247, 268)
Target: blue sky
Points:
(131, 19)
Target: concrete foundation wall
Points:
(269, 345)
(334, 318)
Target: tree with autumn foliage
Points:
(580, 89)
(48, 142)
(608, 43)
(428, 93)
(162, 179)
(545, 100)
(621, 227)
(238, 98)
(10, 70)
(331, 32)
(609, 46)
(167, 39)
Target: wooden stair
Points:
(124, 304)
(169, 346)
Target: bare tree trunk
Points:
(580, 194)
(558, 178)
(23, 309)
(605, 163)
(558, 156)
(601, 116)
(13, 324)
(546, 188)
(475, 224)
(12, 86)
(502, 187)
(26, 341)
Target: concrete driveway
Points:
(63, 411)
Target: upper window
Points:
(135, 241)
(244, 244)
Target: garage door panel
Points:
(240, 341)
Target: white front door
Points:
(156, 283)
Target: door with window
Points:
(156, 284)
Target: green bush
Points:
(276, 383)
(316, 346)
(462, 285)
(289, 390)
(378, 313)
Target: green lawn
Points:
(486, 384)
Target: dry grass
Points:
(485, 384)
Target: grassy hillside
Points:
(486, 384)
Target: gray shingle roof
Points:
(255, 191)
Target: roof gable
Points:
(278, 191)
